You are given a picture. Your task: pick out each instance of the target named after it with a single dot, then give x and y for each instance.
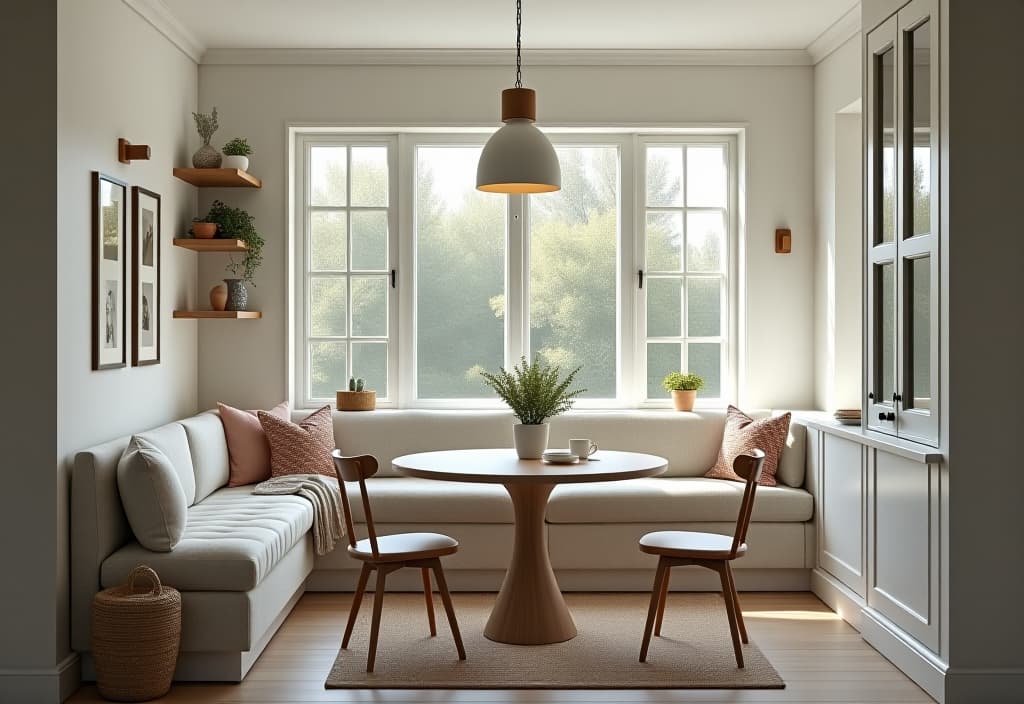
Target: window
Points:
(625, 272)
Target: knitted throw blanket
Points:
(322, 494)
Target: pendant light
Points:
(518, 158)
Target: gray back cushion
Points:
(152, 496)
(205, 434)
(171, 440)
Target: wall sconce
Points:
(128, 152)
(783, 241)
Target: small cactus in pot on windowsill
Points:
(357, 398)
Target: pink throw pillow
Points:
(743, 434)
(300, 448)
(248, 450)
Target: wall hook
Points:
(128, 152)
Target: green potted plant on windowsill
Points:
(357, 398)
(535, 392)
(236, 223)
(684, 387)
(236, 154)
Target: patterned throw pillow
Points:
(743, 434)
(300, 448)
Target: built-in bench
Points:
(245, 560)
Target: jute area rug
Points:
(693, 652)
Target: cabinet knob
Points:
(896, 398)
(871, 395)
(890, 416)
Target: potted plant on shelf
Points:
(535, 392)
(357, 398)
(684, 387)
(235, 223)
(236, 154)
(203, 230)
(206, 157)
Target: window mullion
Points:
(516, 286)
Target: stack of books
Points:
(848, 416)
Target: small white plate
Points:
(571, 459)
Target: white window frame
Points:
(630, 300)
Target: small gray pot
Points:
(206, 157)
(530, 440)
(238, 297)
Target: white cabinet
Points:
(841, 507)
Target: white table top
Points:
(502, 466)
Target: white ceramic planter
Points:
(530, 440)
(235, 162)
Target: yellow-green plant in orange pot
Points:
(684, 387)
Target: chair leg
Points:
(730, 607)
(661, 602)
(378, 602)
(446, 599)
(357, 599)
(652, 612)
(428, 595)
(736, 601)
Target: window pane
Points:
(327, 307)
(573, 235)
(705, 240)
(920, 120)
(664, 241)
(705, 359)
(460, 275)
(662, 359)
(703, 307)
(327, 168)
(370, 240)
(664, 176)
(370, 362)
(370, 176)
(919, 285)
(328, 373)
(664, 307)
(370, 306)
(705, 177)
(885, 318)
(885, 190)
(328, 241)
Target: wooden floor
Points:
(821, 658)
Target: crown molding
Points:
(163, 20)
(837, 34)
(503, 57)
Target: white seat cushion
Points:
(681, 542)
(673, 500)
(413, 500)
(232, 541)
(397, 547)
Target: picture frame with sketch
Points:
(109, 270)
(145, 277)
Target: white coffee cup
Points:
(582, 447)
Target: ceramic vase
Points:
(219, 297)
(236, 162)
(683, 400)
(204, 230)
(206, 157)
(238, 297)
(530, 440)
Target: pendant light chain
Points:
(519, 43)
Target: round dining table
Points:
(529, 609)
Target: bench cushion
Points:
(232, 541)
(414, 500)
(673, 500)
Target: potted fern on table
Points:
(535, 392)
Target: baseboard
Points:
(44, 684)
(915, 660)
(838, 597)
(990, 685)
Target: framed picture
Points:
(109, 268)
(145, 277)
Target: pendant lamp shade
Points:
(518, 158)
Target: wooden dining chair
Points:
(676, 548)
(387, 553)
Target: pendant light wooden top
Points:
(518, 103)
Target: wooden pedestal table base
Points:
(529, 609)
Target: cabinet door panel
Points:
(903, 531)
(842, 506)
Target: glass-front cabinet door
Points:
(903, 224)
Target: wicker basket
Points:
(357, 400)
(135, 638)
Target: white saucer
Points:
(561, 459)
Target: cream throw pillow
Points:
(152, 496)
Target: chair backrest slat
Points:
(749, 467)
(356, 469)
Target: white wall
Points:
(117, 77)
(837, 218)
(245, 362)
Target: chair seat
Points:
(405, 546)
(681, 543)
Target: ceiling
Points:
(490, 24)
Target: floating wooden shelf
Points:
(219, 178)
(211, 245)
(219, 314)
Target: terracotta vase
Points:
(219, 297)
(683, 400)
(204, 230)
